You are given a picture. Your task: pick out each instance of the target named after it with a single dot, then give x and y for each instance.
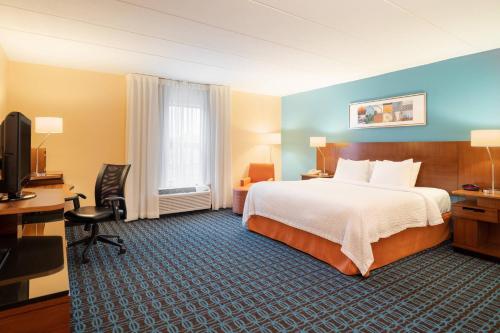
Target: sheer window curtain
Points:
(143, 145)
(185, 129)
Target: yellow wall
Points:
(252, 115)
(93, 107)
(3, 83)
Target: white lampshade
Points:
(46, 125)
(317, 141)
(485, 138)
(272, 138)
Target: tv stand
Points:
(24, 195)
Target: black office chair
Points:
(109, 206)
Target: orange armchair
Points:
(257, 172)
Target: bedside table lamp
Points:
(47, 126)
(272, 139)
(487, 139)
(318, 142)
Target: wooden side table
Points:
(476, 223)
(239, 197)
(306, 176)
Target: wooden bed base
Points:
(385, 251)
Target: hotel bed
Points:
(354, 226)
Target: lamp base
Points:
(491, 191)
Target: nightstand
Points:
(306, 176)
(476, 223)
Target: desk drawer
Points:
(475, 213)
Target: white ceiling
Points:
(274, 47)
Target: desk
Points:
(35, 298)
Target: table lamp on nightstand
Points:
(487, 139)
(318, 142)
(47, 126)
(272, 139)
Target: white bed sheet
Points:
(352, 214)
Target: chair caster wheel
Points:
(122, 251)
(120, 240)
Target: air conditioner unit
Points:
(185, 199)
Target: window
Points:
(185, 134)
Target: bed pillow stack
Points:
(390, 173)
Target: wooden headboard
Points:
(445, 164)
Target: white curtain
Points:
(185, 129)
(220, 146)
(143, 146)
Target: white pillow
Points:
(414, 176)
(392, 173)
(414, 173)
(352, 170)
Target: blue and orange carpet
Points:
(203, 272)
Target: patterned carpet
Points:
(203, 272)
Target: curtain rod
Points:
(164, 78)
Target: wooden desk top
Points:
(477, 194)
(45, 200)
(66, 188)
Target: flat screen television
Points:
(15, 153)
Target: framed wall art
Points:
(408, 110)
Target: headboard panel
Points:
(445, 164)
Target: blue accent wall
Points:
(462, 94)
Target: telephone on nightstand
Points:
(313, 172)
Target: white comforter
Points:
(348, 213)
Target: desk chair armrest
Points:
(76, 199)
(114, 204)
